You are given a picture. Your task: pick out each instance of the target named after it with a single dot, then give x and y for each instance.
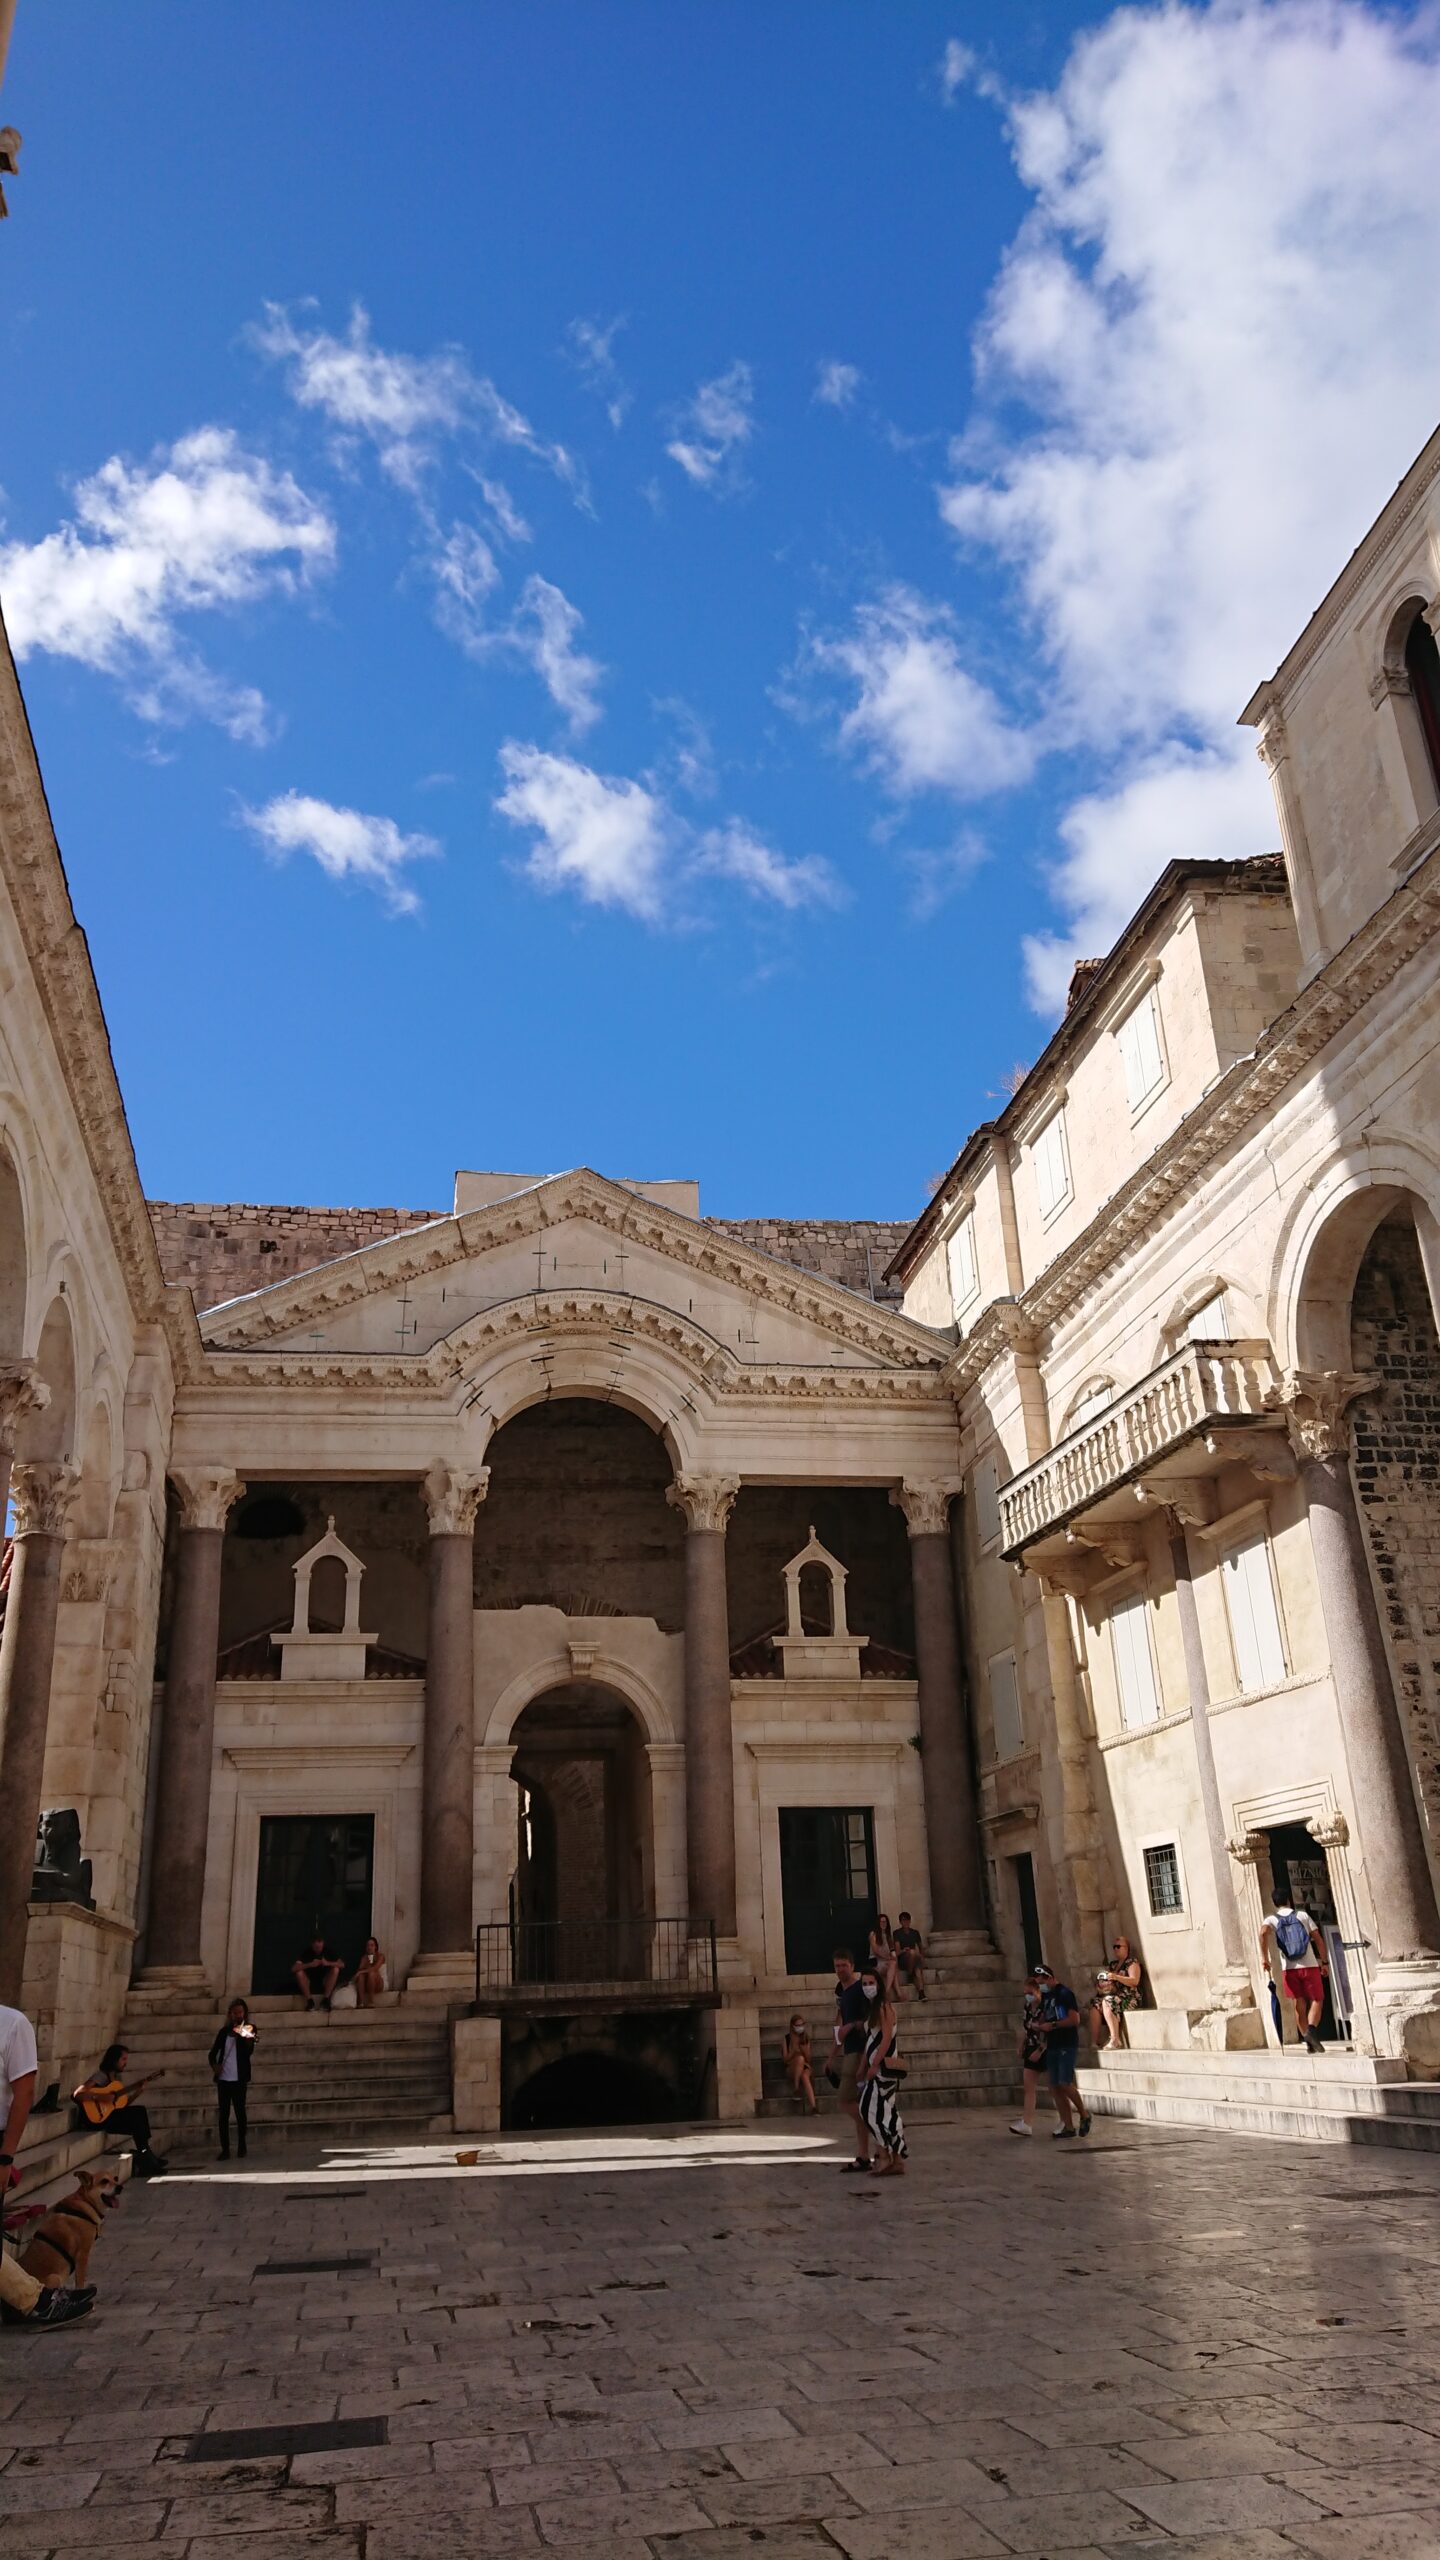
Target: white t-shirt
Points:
(1294, 1964)
(17, 2056)
(230, 2059)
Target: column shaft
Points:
(1232, 1937)
(1388, 1819)
(952, 1825)
(447, 1849)
(709, 1754)
(27, 1661)
(187, 1750)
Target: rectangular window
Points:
(1248, 1582)
(986, 1498)
(964, 1269)
(1052, 1165)
(1139, 1038)
(1210, 1323)
(1005, 1706)
(1134, 1661)
(1162, 1880)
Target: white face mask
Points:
(869, 1989)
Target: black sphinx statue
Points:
(61, 1874)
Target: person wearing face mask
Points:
(878, 2079)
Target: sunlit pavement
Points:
(704, 2342)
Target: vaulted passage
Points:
(592, 2089)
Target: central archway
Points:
(583, 1899)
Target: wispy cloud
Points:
(919, 718)
(205, 526)
(713, 429)
(836, 384)
(620, 843)
(346, 844)
(405, 406)
(957, 64)
(590, 346)
(542, 630)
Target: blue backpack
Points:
(1293, 1937)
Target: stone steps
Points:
(318, 2071)
(1338, 2096)
(958, 2044)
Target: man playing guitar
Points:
(105, 2099)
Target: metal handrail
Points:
(525, 1962)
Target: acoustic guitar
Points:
(98, 2100)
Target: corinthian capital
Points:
(207, 1495)
(42, 1490)
(926, 1505)
(452, 1500)
(1271, 743)
(22, 1393)
(707, 1501)
(1316, 1405)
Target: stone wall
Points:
(1397, 1468)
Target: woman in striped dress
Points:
(878, 2081)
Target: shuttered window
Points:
(964, 1269)
(1134, 1661)
(1005, 1706)
(1139, 1039)
(1052, 1165)
(1249, 1587)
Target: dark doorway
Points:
(592, 2089)
(1024, 1867)
(1300, 1873)
(315, 1879)
(827, 1881)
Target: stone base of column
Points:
(962, 1955)
(1405, 2003)
(475, 2074)
(733, 1968)
(158, 1987)
(1232, 2024)
(737, 2060)
(441, 1978)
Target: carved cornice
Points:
(1249, 1092)
(452, 1500)
(706, 1501)
(419, 1253)
(1316, 1406)
(1249, 1848)
(42, 1491)
(207, 1495)
(23, 1392)
(1329, 1830)
(59, 961)
(926, 1505)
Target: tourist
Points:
(883, 1955)
(1032, 2045)
(104, 2099)
(1303, 1964)
(230, 2059)
(795, 2053)
(316, 1974)
(369, 1977)
(24, 2301)
(1059, 2022)
(1117, 1988)
(879, 2079)
(910, 1952)
(850, 2008)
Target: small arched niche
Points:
(817, 1643)
(1409, 683)
(311, 1652)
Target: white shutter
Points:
(1139, 1038)
(1005, 1706)
(1134, 1662)
(1096, 1399)
(1052, 1166)
(1210, 1323)
(1254, 1619)
(964, 1271)
(985, 1494)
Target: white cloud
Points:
(465, 572)
(922, 720)
(714, 429)
(205, 526)
(404, 405)
(503, 508)
(737, 853)
(542, 630)
(835, 383)
(957, 63)
(605, 838)
(346, 845)
(590, 345)
(1210, 315)
(620, 843)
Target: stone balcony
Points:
(1208, 1405)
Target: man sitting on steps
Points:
(316, 1974)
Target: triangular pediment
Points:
(577, 1253)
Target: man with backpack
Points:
(1302, 1959)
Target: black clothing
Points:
(312, 1964)
(231, 2094)
(244, 2050)
(132, 2120)
(853, 2006)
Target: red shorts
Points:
(1304, 1982)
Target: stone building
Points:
(609, 1606)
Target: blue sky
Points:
(632, 584)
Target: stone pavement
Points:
(695, 2345)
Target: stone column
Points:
(447, 1803)
(706, 1502)
(42, 1492)
(187, 1733)
(1386, 1814)
(1233, 1990)
(22, 1393)
(952, 1812)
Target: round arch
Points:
(665, 1391)
(51, 1434)
(1325, 1235)
(602, 1672)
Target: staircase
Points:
(316, 2072)
(959, 2043)
(1289, 2096)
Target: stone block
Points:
(475, 2067)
